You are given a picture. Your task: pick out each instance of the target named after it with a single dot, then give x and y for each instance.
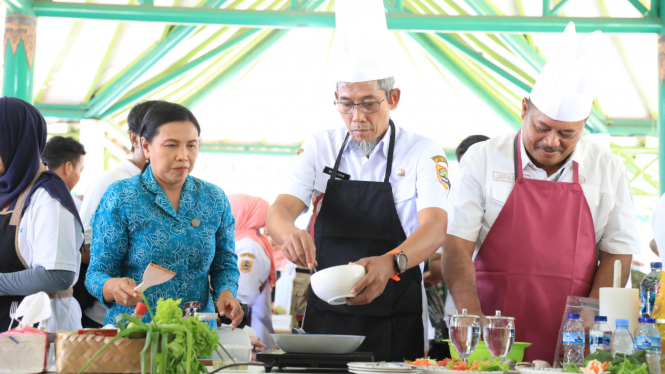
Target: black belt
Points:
(304, 271)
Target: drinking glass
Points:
(464, 333)
(499, 334)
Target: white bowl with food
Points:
(333, 285)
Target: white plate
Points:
(374, 367)
(321, 344)
(540, 371)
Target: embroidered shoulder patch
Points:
(442, 172)
(246, 266)
(248, 255)
(300, 150)
(440, 158)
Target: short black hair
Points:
(59, 150)
(468, 142)
(161, 113)
(135, 116)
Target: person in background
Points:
(40, 231)
(255, 261)
(439, 302)
(166, 217)
(658, 226)
(94, 311)
(65, 157)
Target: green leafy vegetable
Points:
(492, 365)
(571, 368)
(176, 343)
(627, 367)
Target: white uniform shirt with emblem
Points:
(487, 177)
(91, 199)
(419, 176)
(253, 289)
(50, 237)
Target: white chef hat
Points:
(566, 87)
(362, 47)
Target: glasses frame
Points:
(353, 108)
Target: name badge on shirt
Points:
(340, 175)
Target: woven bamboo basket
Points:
(73, 351)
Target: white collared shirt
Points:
(93, 195)
(417, 164)
(658, 226)
(49, 236)
(487, 177)
(254, 266)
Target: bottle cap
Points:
(656, 265)
(140, 309)
(600, 319)
(646, 320)
(573, 316)
(622, 322)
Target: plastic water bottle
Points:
(649, 289)
(600, 335)
(622, 341)
(573, 341)
(648, 339)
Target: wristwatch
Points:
(401, 262)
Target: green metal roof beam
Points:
(62, 114)
(430, 47)
(102, 102)
(20, 6)
(290, 19)
(237, 66)
(559, 7)
(516, 43)
(640, 7)
(178, 72)
(485, 62)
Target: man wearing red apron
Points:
(545, 212)
(385, 198)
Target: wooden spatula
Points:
(154, 275)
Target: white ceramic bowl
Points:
(334, 284)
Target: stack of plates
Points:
(381, 367)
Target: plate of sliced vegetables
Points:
(429, 366)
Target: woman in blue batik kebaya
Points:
(167, 217)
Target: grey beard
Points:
(364, 148)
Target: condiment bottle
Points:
(139, 312)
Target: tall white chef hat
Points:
(566, 87)
(362, 48)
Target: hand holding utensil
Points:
(154, 275)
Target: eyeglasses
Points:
(367, 108)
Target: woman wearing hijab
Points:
(166, 217)
(255, 261)
(40, 231)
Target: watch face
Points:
(402, 261)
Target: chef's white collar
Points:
(575, 156)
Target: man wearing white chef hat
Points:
(544, 211)
(384, 208)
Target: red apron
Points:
(541, 249)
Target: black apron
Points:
(10, 259)
(358, 219)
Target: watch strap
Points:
(394, 252)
